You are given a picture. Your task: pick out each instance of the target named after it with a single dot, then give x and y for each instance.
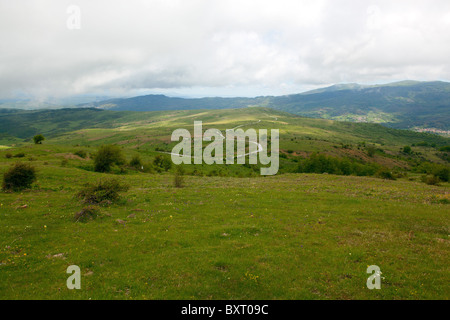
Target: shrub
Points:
(86, 214)
(148, 168)
(178, 180)
(20, 176)
(19, 155)
(443, 173)
(136, 162)
(8, 155)
(431, 180)
(407, 149)
(102, 192)
(385, 173)
(81, 153)
(38, 139)
(162, 162)
(106, 157)
(371, 151)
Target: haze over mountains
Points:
(406, 104)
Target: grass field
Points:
(290, 236)
(283, 237)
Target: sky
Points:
(196, 48)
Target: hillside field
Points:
(228, 233)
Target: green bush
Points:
(19, 155)
(385, 173)
(178, 180)
(136, 162)
(20, 176)
(431, 180)
(103, 192)
(319, 163)
(8, 155)
(407, 149)
(162, 162)
(438, 170)
(86, 214)
(81, 153)
(371, 151)
(38, 139)
(106, 157)
(443, 173)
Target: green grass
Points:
(239, 236)
(284, 237)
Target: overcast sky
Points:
(223, 48)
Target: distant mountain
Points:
(161, 102)
(28, 103)
(405, 104)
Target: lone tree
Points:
(108, 156)
(38, 139)
(407, 149)
(20, 176)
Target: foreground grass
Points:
(284, 237)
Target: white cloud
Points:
(268, 47)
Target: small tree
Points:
(162, 162)
(178, 179)
(38, 139)
(407, 149)
(106, 157)
(20, 176)
(371, 151)
(136, 162)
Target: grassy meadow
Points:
(229, 233)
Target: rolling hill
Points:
(150, 132)
(405, 105)
(228, 233)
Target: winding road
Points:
(259, 146)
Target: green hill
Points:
(300, 137)
(406, 104)
(228, 232)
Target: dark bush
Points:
(319, 163)
(20, 176)
(19, 155)
(86, 214)
(103, 192)
(443, 173)
(371, 151)
(385, 173)
(431, 180)
(162, 162)
(81, 153)
(38, 139)
(106, 157)
(8, 155)
(407, 149)
(136, 162)
(178, 179)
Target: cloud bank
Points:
(218, 47)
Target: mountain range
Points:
(405, 104)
